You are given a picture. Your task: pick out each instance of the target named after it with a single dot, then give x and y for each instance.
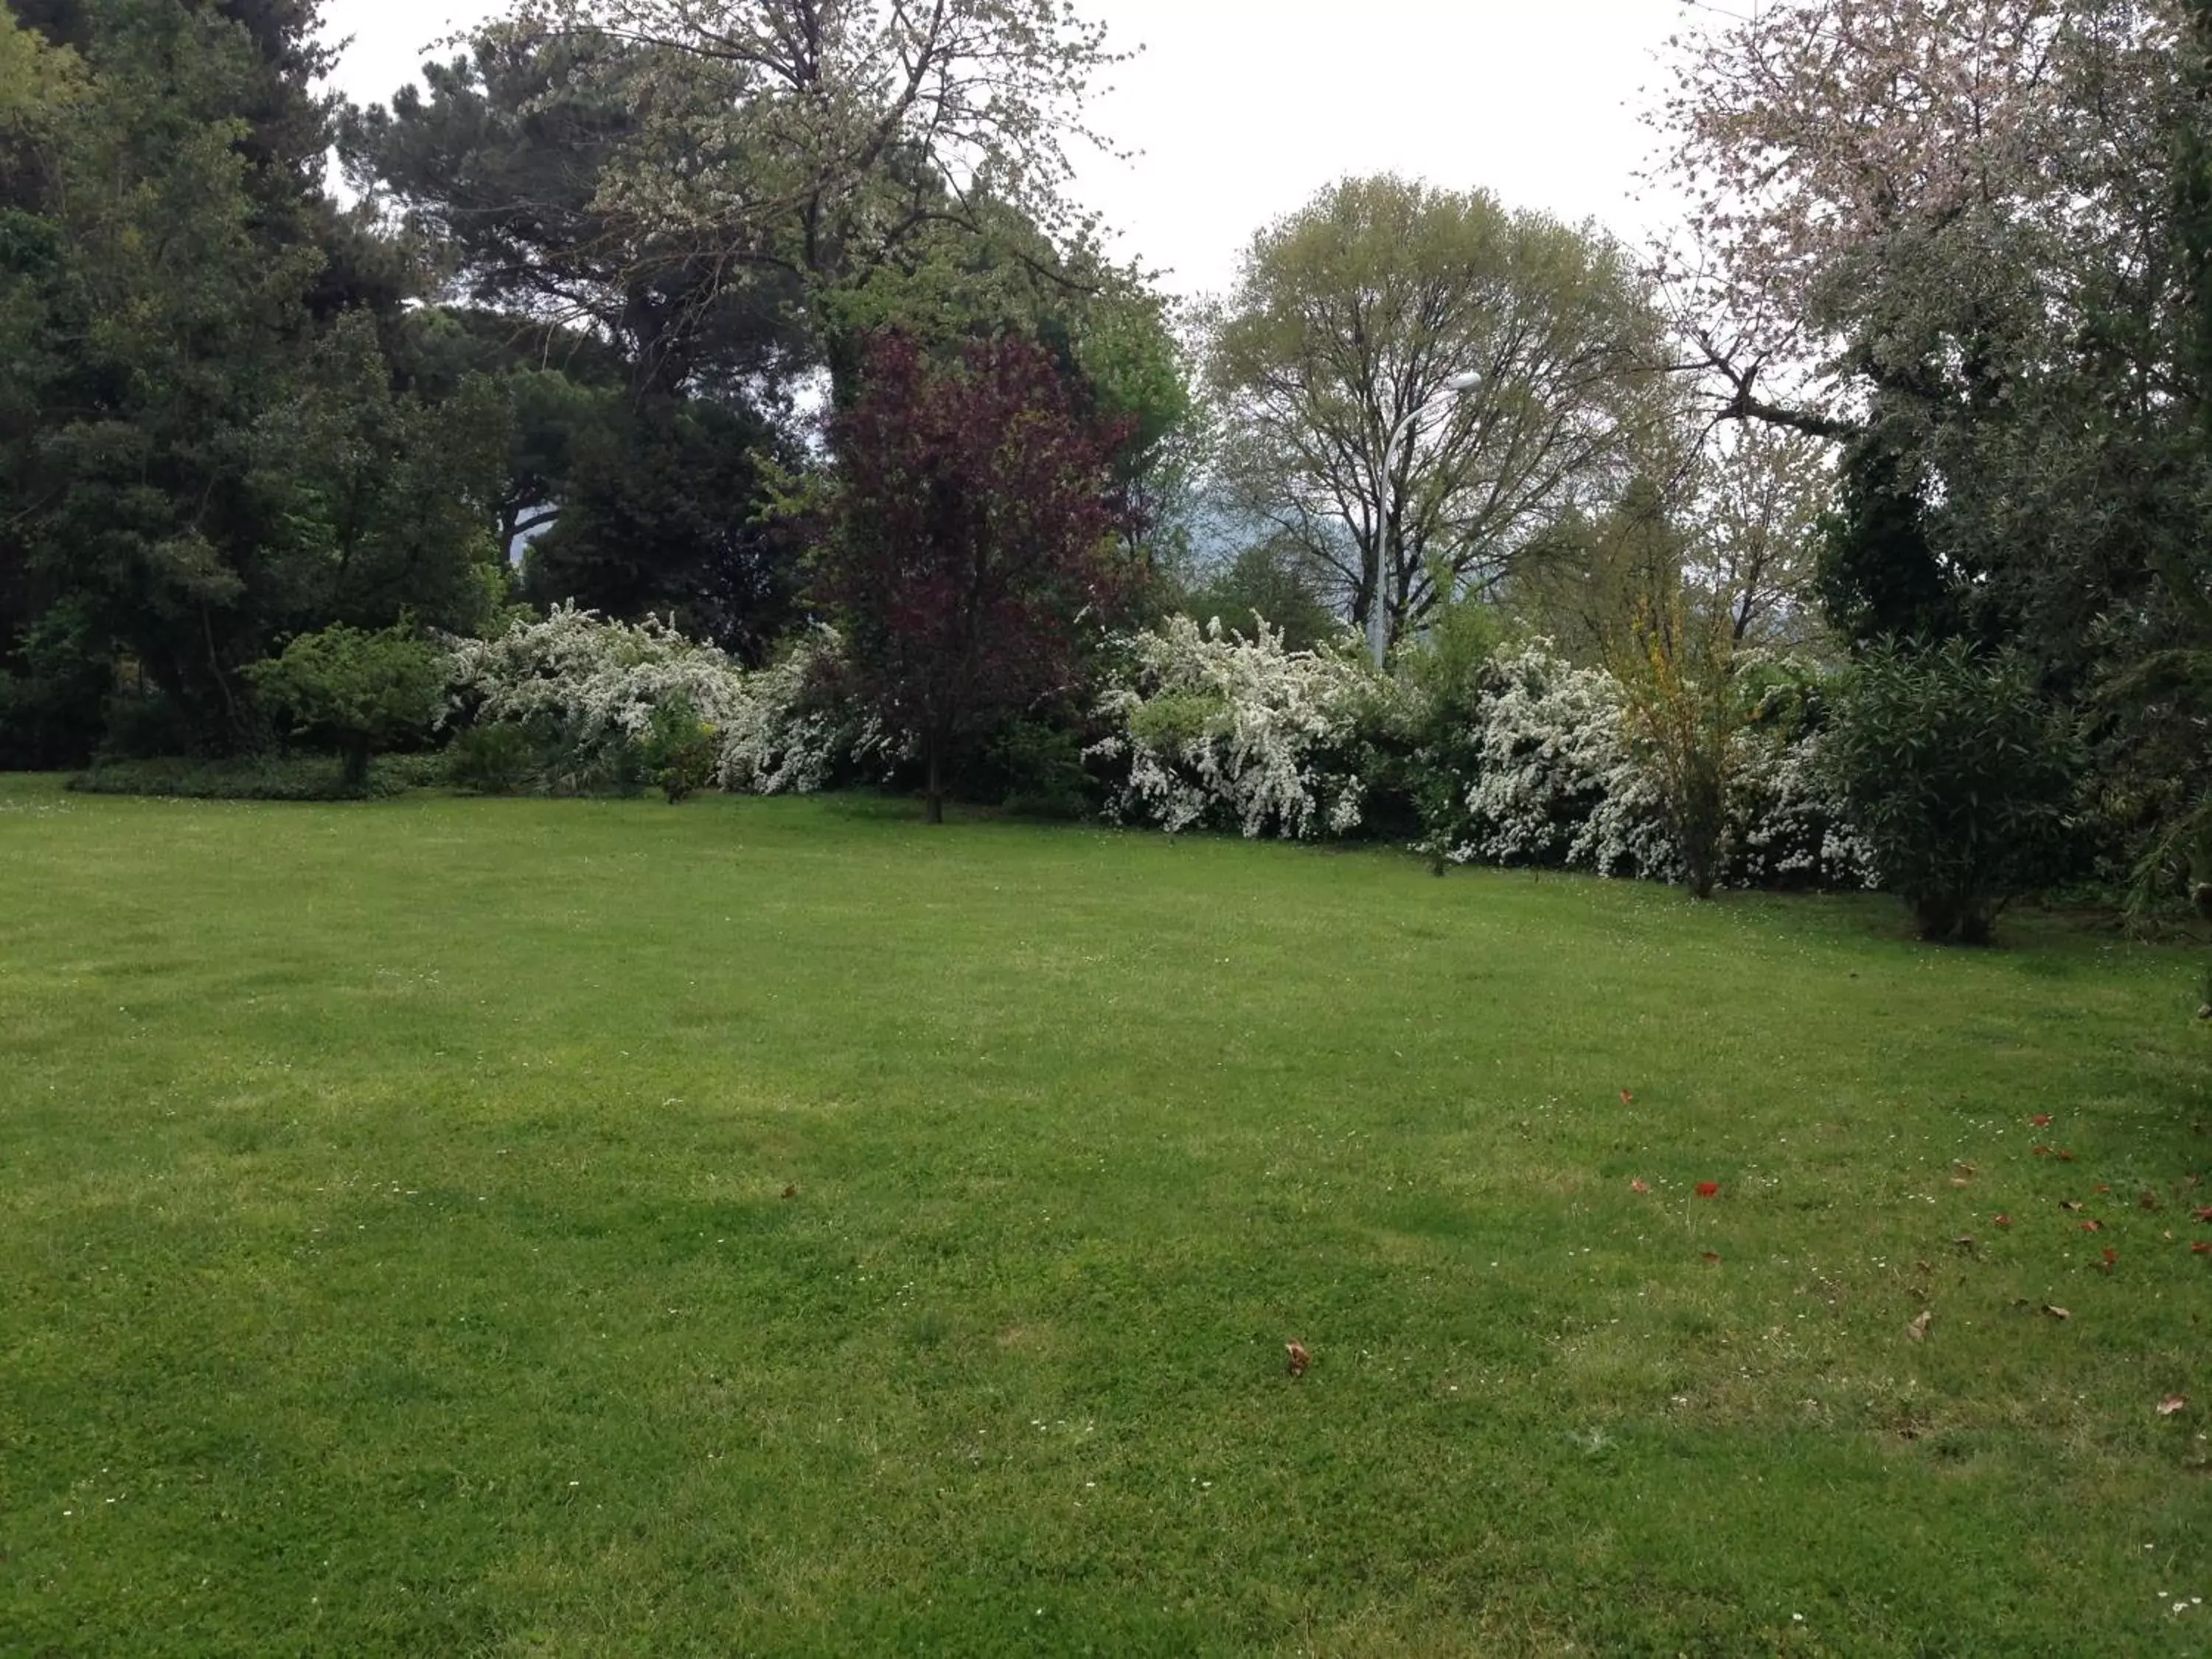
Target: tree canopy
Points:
(1349, 322)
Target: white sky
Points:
(1239, 110)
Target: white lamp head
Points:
(1463, 384)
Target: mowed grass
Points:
(559, 1228)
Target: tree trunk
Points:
(936, 782)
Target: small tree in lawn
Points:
(359, 690)
(972, 537)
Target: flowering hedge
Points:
(586, 690)
(1221, 730)
(1217, 730)
(1210, 729)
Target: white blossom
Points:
(587, 686)
(1225, 730)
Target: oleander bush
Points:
(1959, 776)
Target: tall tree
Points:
(1940, 231)
(972, 556)
(503, 166)
(650, 382)
(155, 308)
(816, 136)
(1354, 315)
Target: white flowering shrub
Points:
(1790, 826)
(791, 736)
(1222, 730)
(584, 690)
(1557, 782)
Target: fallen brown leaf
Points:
(2057, 1313)
(1917, 1330)
(2173, 1405)
(1299, 1357)
(1639, 1185)
(1712, 1258)
(791, 1192)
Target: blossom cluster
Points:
(1222, 730)
(1217, 730)
(1207, 729)
(1557, 781)
(586, 688)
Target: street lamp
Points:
(1378, 615)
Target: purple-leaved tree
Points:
(971, 559)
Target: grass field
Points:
(557, 1228)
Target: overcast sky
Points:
(1241, 109)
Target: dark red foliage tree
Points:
(971, 557)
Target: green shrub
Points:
(1176, 721)
(358, 690)
(1042, 765)
(680, 750)
(499, 758)
(146, 725)
(261, 777)
(1426, 742)
(1957, 777)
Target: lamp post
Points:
(1378, 614)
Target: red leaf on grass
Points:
(1712, 1258)
(1708, 1190)
(2204, 1214)
(2004, 1221)
(2112, 1258)
(2093, 1226)
(1639, 1185)
(2202, 1247)
(1628, 1097)
(1299, 1357)
(2041, 1120)
(2173, 1404)
(2043, 1151)
(2065, 1157)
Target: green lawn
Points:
(398, 1257)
